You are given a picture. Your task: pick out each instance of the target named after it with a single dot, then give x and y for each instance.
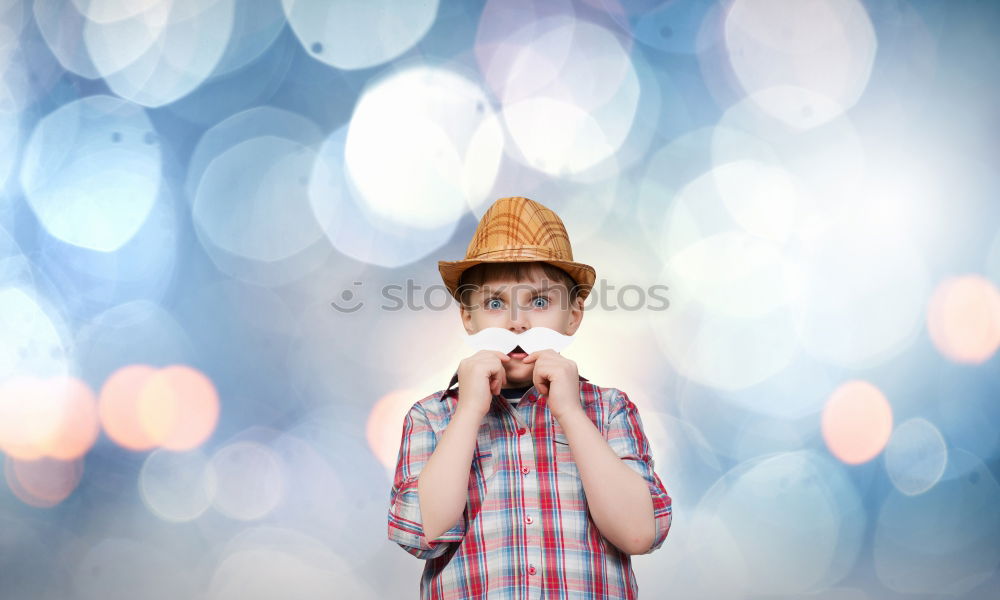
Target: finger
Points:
(540, 383)
(529, 358)
(501, 355)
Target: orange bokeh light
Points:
(856, 422)
(118, 407)
(175, 407)
(44, 482)
(964, 319)
(178, 407)
(384, 429)
(55, 417)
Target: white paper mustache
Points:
(505, 340)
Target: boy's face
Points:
(519, 306)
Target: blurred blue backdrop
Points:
(219, 234)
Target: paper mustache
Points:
(532, 340)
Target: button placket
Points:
(526, 446)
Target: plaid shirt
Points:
(526, 531)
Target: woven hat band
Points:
(523, 251)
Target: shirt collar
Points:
(454, 380)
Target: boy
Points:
(527, 481)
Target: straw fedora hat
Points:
(518, 229)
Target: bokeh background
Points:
(219, 231)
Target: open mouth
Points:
(517, 352)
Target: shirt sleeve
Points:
(405, 523)
(626, 437)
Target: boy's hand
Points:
(557, 378)
(480, 377)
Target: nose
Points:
(517, 321)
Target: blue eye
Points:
(493, 300)
(544, 299)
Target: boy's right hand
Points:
(480, 377)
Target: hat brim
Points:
(451, 271)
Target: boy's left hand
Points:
(557, 378)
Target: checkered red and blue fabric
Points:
(526, 531)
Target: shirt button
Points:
(525, 470)
(529, 520)
(521, 431)
(531, 569)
